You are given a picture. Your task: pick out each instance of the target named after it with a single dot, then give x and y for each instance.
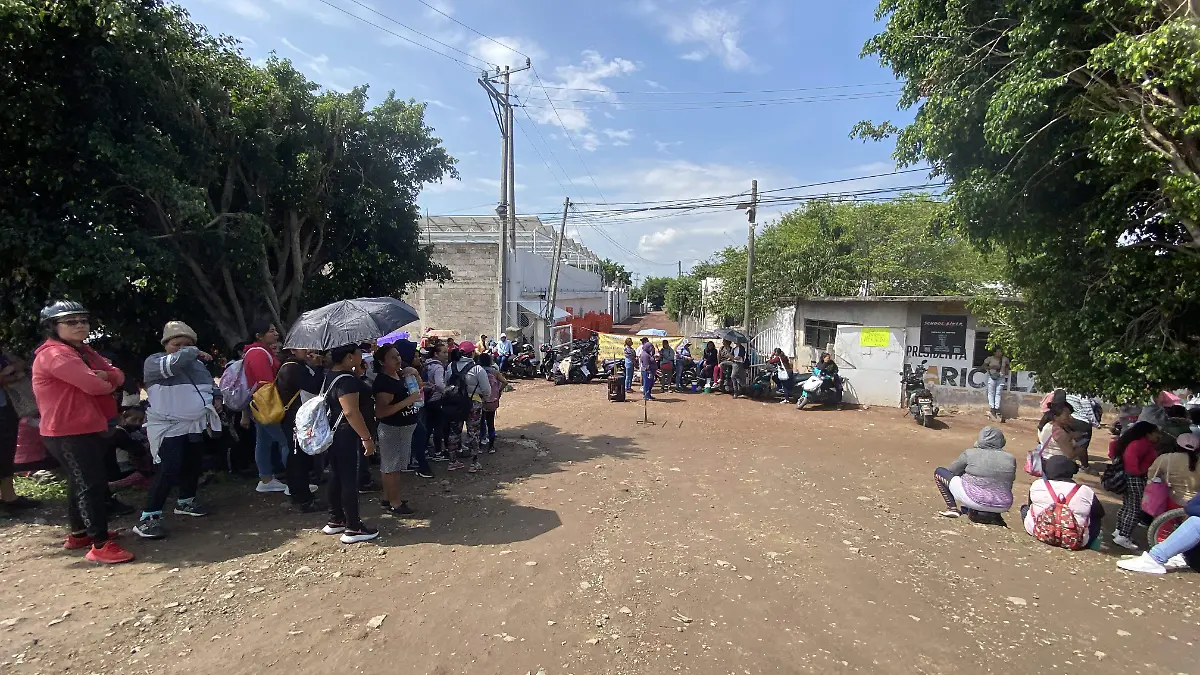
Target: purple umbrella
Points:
(394, 336)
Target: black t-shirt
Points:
(348, 385)
(385, 384)
(295, 376)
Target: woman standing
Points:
(1137, 449)
(435, 417)
(74, 389)
(783, 374)
(261, 366)
(299, 379)
(470, 381)
(397, 415)
(997, 366)
(351, 416)
(179, 390)
(497, 383)
(630, 355)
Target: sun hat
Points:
(175, 329)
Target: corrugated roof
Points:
(532, 235)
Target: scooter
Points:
(921, 403)
(523, 365)
(819, 389)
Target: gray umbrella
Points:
(349, 322)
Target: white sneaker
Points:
(1124, 542)
(951, 513)
(273, 486)
(288, 491)
(1143, 563)
(1176, 563)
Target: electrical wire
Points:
(716, 105)
(730, 102)
(482, 35)
(343, 10)
(715, 93)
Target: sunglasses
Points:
(75, 322)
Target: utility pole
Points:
(506, 209)
(552, 295)
(752, 214)
(679, 270)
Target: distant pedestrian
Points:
(648, 361)
(630, 360)
(997, 366)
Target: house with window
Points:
(940, 332)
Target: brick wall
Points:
(468, 301)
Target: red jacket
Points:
(71, 398)
(1139, 455)
(259, 364)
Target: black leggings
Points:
(181, 462)
(435, 421)
(344, 457)
(82, 458)
(9, 427)
(487, 430)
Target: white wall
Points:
(580, 290)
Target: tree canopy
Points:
(1070, 133)
(614, 273)
(847, 249)
(152, 172)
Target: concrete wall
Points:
(467, 302)
(955, 382)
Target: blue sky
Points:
(631, 82)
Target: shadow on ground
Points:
(455, 508)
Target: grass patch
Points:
(48, 491)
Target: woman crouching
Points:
(979, 483)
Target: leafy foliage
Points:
(848, 249)
(683, 297)
(153, 172)
(614, 274)
(1070, 132)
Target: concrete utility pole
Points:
(679, 270)
(552, 294)
(752, 214)
(506, 210)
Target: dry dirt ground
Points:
(728, 537)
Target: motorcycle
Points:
(765, 384)
(921, 403)
(818, 388)
(523, 365)
(574, 369)
(550, 358)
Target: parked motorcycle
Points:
(524, 364)
(573, 369)
(550, 358)
(818, 388)
(922, 404)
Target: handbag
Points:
(1157, 494)
(1033, 462)
(1113, 478)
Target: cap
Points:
(1188, 441)
(466, 347)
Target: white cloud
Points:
(588, 141)
(247, 9)
(439, 104)
(619, 135)
(443, 6)
(318, 68)
(707, 32)
(506, 51)
(654, 85)
(663, 146)
(320, 11)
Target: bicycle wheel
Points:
(1162, 526)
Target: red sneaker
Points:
(74, 543)
(110, 553)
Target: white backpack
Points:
(313, 433)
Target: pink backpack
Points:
(493, 401)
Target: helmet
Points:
(60, 308)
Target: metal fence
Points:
(561, 335)
(777, 330)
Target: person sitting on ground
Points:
(1169, 555)
(179, 391)
(1137, 450)
(981, 480)
(1179, 469)
(1058, 477)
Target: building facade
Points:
(940, 332)
(469, 247)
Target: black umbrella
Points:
(706, 335)
(349, 322)
(734, 336)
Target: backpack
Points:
(456, 404)
(314, 434)
(1056, 526)
(235, 390)
(493, 401)
(266, 405)
(1113, 478)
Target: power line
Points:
(472, 68)
(717, 93)
(427, 37)
(655, 106)
(486, 37)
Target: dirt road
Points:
(657, 320)
(728, 537)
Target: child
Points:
(131, 464)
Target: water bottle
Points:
(414, 386)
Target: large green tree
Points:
(844, 249)
(153, 172)
(614, 273)
(1070, 132)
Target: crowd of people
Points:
(401, 405)
(723, 369)
(1154, 456)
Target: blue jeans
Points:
(501, 360)
(994, 389)
(628, 374)
(1184, 538)
(647, 384)
(269, 443)
(678, 372)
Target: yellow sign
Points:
(874, 337)
(613, 346)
